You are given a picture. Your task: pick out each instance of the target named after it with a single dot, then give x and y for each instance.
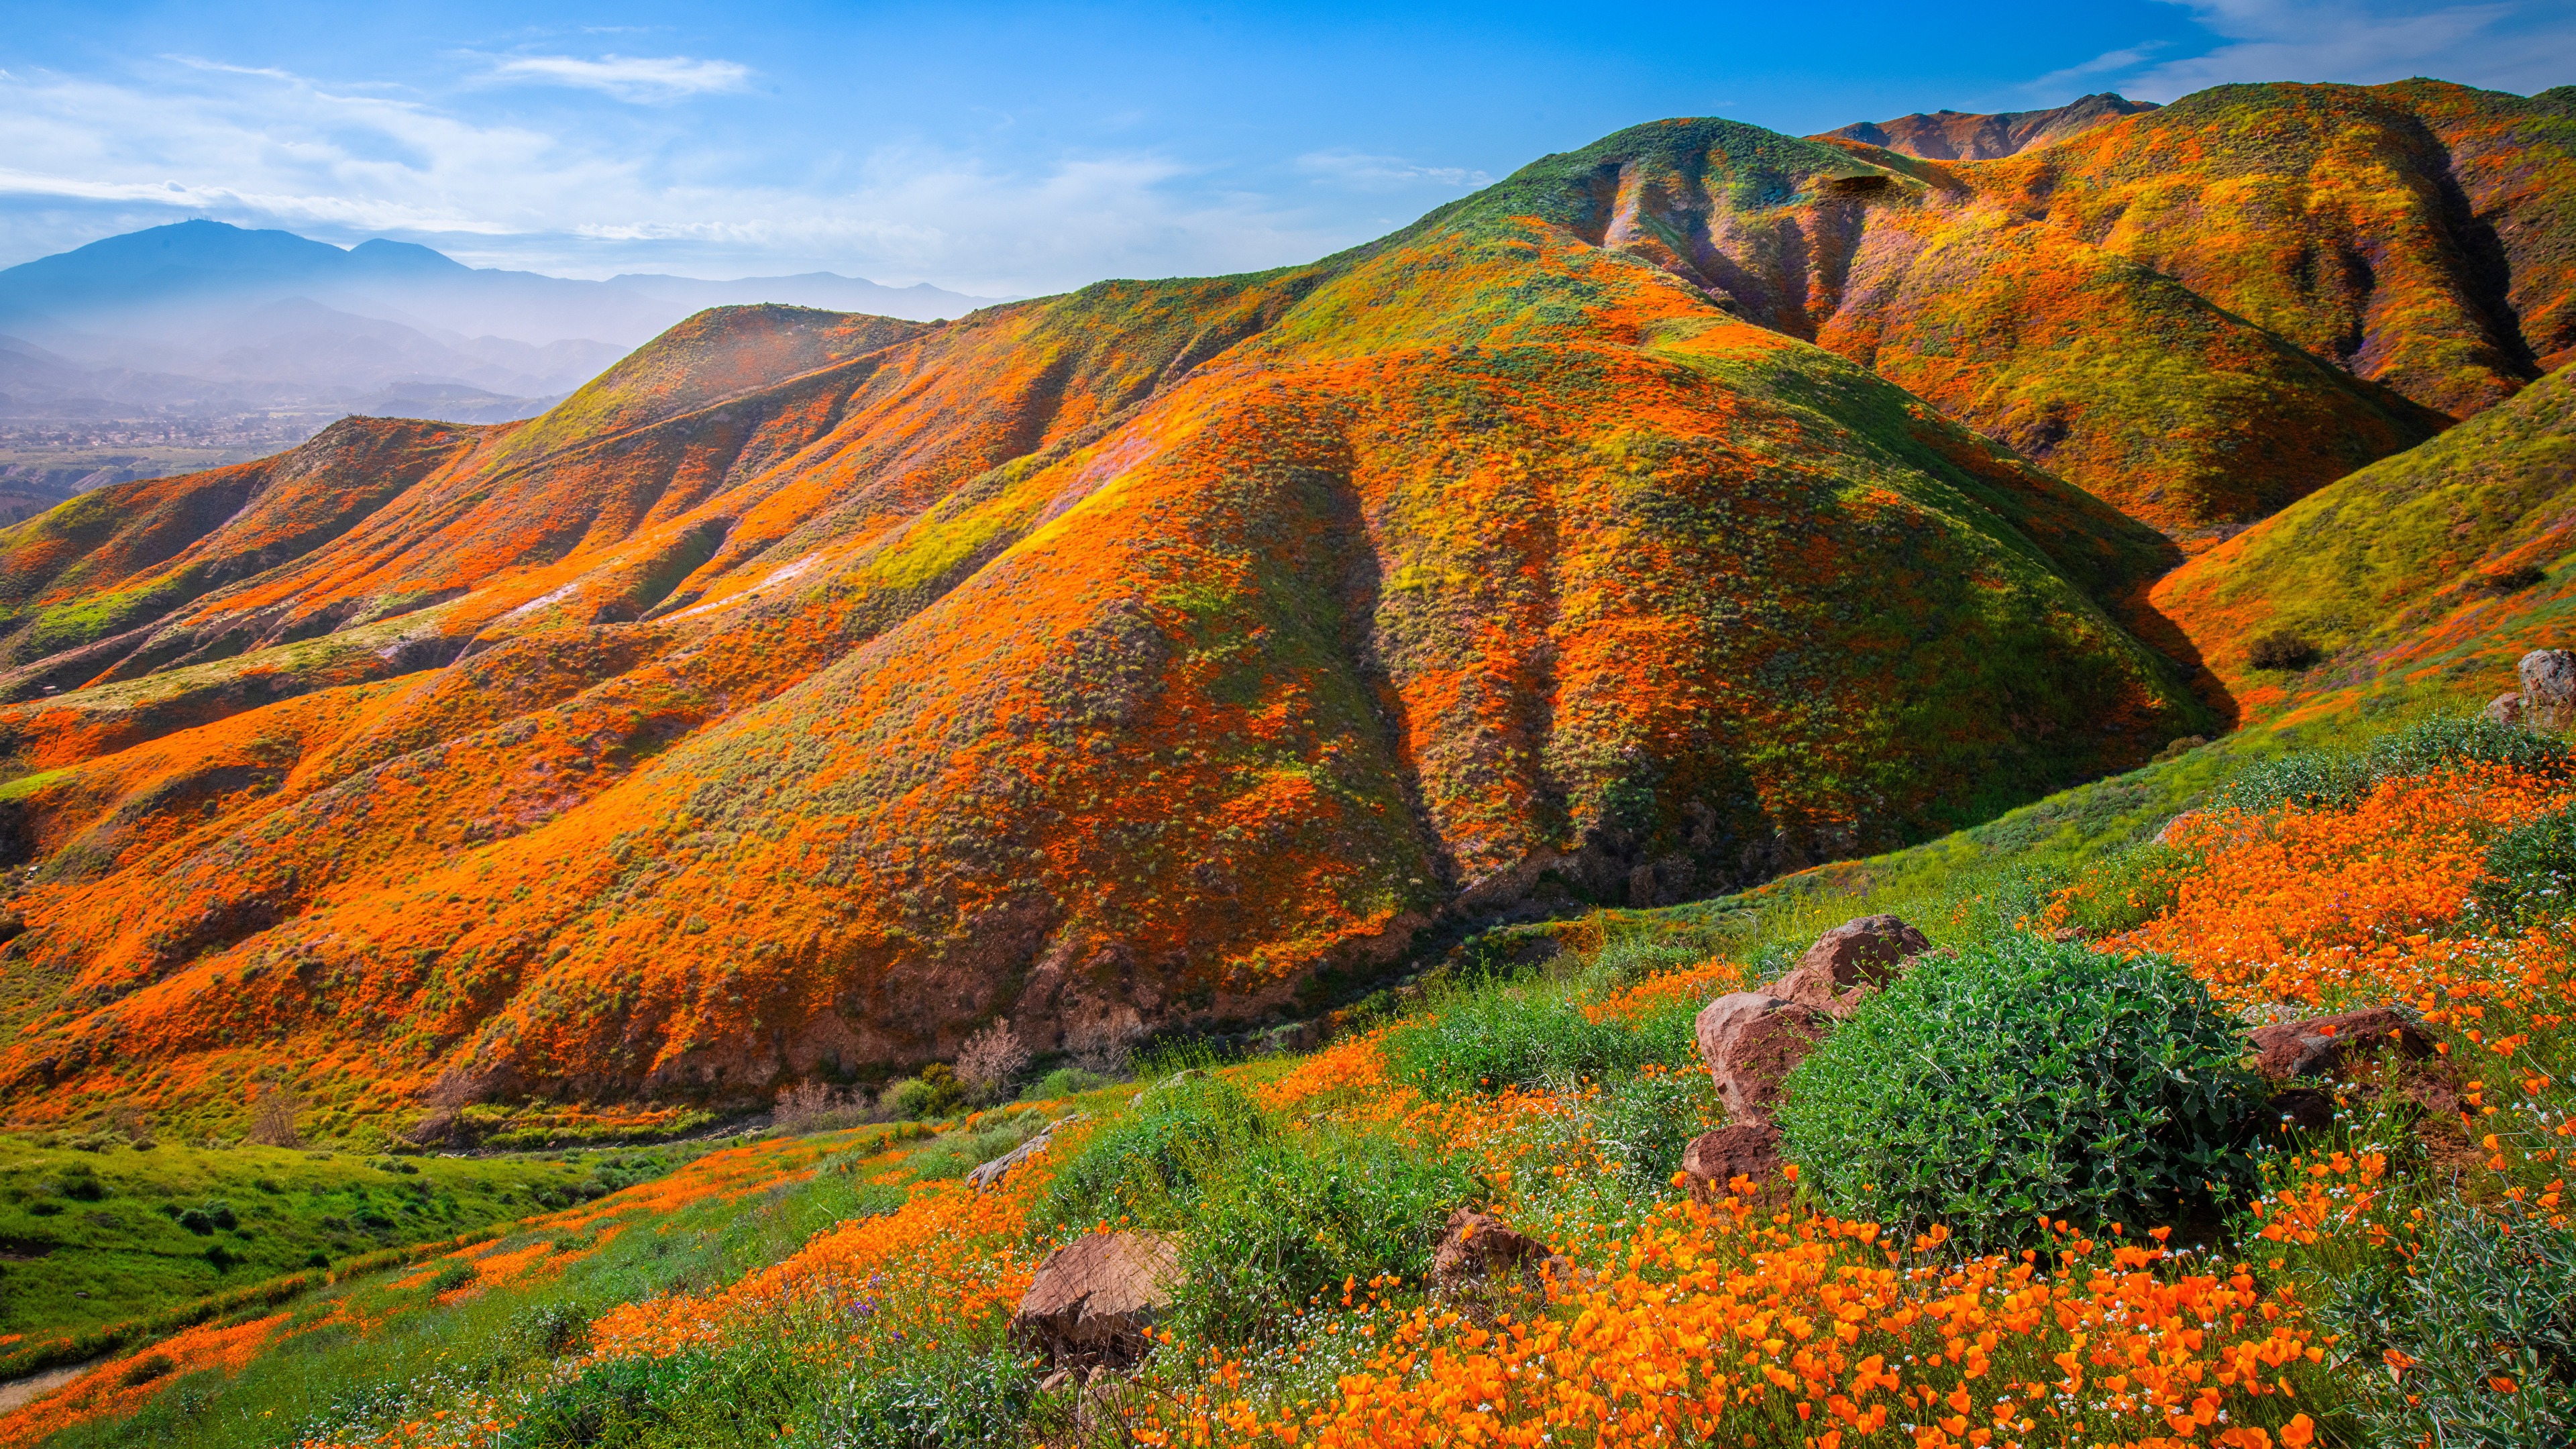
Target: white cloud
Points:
(2515, 45)
(1362, 172)
(604, 192)
(626, 77)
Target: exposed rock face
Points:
(2322, 1045)
(1478, 1250)
(1092, 1300)
(1751, 1041)
(2548, 688)
(1850, 961)
(2504, 709)
(1715, 1159)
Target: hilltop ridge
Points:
(1974, 136)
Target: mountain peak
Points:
(1947, 135)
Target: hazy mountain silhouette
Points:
(202, 316)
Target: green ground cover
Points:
(117, 1233)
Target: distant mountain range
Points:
(201, 318)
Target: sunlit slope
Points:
(2427, 574)
(1119, 657)
(2200, 312)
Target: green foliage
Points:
(2330, 779)
(742, 1396)
(1643, 1123)
(2125, 888)
(1268, 1213)
(450, 1277)
(926, 1397)
(1528, 1032)
(2530, 875)
(2020, 1077)
(336, 1384)
(2486, 1295)
(1299, 1210)
(935, 1093)
(1184, 1125)
(1065, 1082)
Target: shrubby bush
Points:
(2123, 889)
(935, 1093)
(2530, 875)
(2484, 1316)
(2334, 779)
(2018, 1077)
(1268, 1213)
(1529, 1033)
(1644, 1122)
(1064, 1082)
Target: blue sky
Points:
(1010, 148)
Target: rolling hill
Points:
(813, 688)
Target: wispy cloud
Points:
(2517, 45)
(643, 79)
(1363, 172)
(633, 189)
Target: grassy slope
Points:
(125, 1249)
(2393, 572)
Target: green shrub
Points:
(1527, 1033)
(2124, 889)
(2530, 875)
(935, 1093)
(2336, 779)
(1268, 1213)
(1065, 1082)
(2020, 1077)
(742, 1395)
(451, 1276)
(1301, 1210)
(1134, 1166)
(2483, 1298)
(946, 1394)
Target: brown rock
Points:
(2505, 709)
(1850, 961)
(1751, 1042)
(1715, 1159)
(2548, 688)
(2322, 1045)
(1478, 1250)
(1092, 1300)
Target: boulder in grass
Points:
(1091, 1301)
(2548, 688)
(990, 1175)
(2323, 1045)
(1714, 1160)
(2505, 709)
(1850, 961)
(1752, 1041)
(1478, 1251)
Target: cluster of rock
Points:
(2547, 699)
(1753, 1040)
